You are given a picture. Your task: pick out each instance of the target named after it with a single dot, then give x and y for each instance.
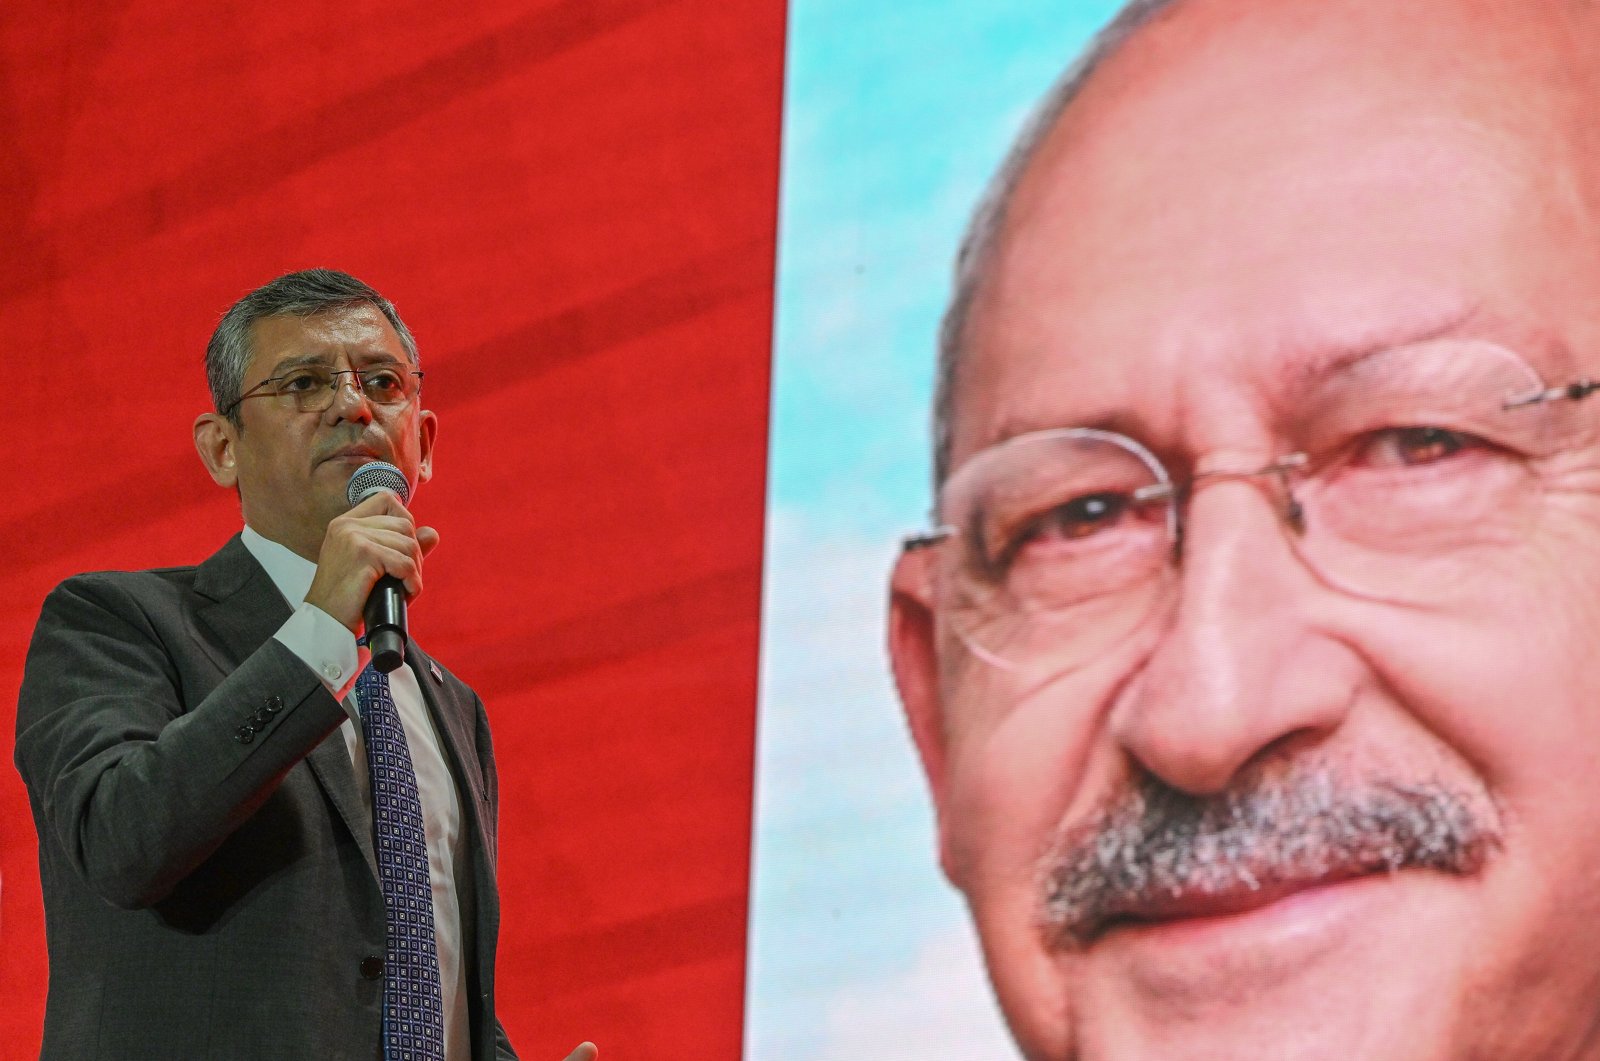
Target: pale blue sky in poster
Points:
(895, 115)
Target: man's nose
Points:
(350, 401)
(1243, 666)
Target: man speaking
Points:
(253, 844)
(1252, 655)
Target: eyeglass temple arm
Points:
(1576, 391)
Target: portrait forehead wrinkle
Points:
(1305, 363)
(1294, 368)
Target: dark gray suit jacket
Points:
(207, 897)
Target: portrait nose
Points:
(1243, 667)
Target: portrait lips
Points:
(1154, 855)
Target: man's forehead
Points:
(1195, 218)
(1193, 108)
(1285, 382)
(360, 333)
(1505, 46)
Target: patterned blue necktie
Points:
(413, 1016)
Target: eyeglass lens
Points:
(314, 387)
(1416, 473)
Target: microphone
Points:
(385, 613)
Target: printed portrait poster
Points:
(895, 117)
(1260, 565)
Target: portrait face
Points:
(292, 467)
(1295, 757)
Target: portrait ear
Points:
(427, 431)
(913, 652)
(214, 439)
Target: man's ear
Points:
(214, 439)
(913, 651)
(427, 431)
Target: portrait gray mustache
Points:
(1153, 848)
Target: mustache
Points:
(1152, 846)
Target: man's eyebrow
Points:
(1304, 364)
(296, 361)
(1303, 370)
(1113, 421)
(300, 360)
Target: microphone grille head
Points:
(377, 475)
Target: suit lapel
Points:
(456, 724)
(453, 723)
(244, 609)
(330, 762)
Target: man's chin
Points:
(1368, 967)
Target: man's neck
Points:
(280, 536)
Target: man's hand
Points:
(584, 1052)
(378, 537)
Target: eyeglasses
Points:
(311, 388)
(1416, 472)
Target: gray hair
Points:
(302, 294)
(983, 230)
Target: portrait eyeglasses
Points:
(312, 388)
(1414, 471)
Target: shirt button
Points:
(371, 967)
(333, 671)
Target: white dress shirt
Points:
(330, 650)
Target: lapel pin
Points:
(433, 669)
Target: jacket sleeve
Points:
(136, 787)
(502, 1045)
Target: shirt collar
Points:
(289, 571)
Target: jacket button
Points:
(261, 717)
(244, 734)
(274, 704)
(371, 967)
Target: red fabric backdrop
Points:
(573, 204)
